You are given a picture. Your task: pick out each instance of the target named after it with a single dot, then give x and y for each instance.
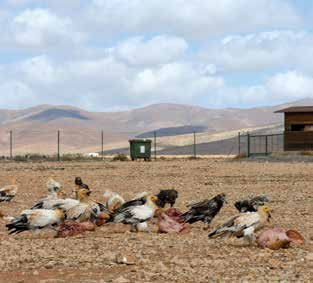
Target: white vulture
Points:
(82, 209)
(135, 211)
(35, 220)
(113, 200)
(55, 193)
(7, 193)
(244, 224)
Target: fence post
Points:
(266, 149)
(11, 145)
(155, 154)
(248, 144)
(59, 157)
(194, 145)
(102, 153)
(239, 140)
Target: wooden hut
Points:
(298, 128)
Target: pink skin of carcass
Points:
(168, 225)
(72, 228)
(175, 214)
(277, 238)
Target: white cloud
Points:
(105, 54)
(108, 82)
(290, 85)
(192, 19)
(179, 81)
(38, 70)
(15, 94)
(42, 29)
(261, 51)
(51, 3)
(186, 85)
(281, 87)
(19, 2)
(158, 50)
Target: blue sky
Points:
(120, 54)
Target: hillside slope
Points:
(35, 129)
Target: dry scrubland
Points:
(162, 258)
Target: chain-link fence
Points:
(250, 144)
(94, 144)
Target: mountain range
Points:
(35, 129)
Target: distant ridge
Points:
(34, 129)
(55, 113)
(173, 131)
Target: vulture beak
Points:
(225, 200)
(269, 217)
(154, 199)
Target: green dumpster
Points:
(140, 149)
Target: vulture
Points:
(7, 193)
(135, 211)
(205, 210)
(35, 219)
(244, 224)
(251, 204)
(54, 194)
(81, 210)
(166, 196)
(113, 200)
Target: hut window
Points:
(302, 128)
(297, 128)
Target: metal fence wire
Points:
(250, 145)
(59, 145)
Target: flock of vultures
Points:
(73, 216)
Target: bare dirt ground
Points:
(162, 257)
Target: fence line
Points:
(11, 145)
(155, 145)
(260, 144)
(27, 147)
(59, 157)
(248, 144)
(194, 145)
(102, 145)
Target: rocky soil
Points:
(152, 257)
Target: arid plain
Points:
(157, 257)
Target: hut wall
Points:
(298, 135)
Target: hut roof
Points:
(295, 109)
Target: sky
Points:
(110, 55)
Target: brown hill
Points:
(35, 129)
